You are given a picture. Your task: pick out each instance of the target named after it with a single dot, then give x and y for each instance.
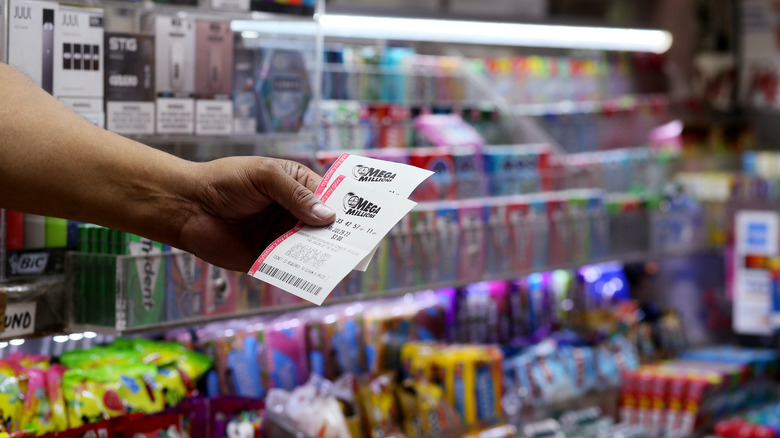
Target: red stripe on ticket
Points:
(329, 174)
(273, 246)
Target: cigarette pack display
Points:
(129, 83)
(448, 238)
(471, 220)
(426, 245)
(283, 90)
(186, 279)
(79, 56)
(31, 29)
(521, 234)
(498, 238)
(442, 185)
(400, 259)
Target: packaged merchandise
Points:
(287, 361)
(213, 78)
(174, 74)
(185, 286)
(442, 185)
(130, 83)
(283, 90)
(471, 221)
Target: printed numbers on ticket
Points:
(310, 261)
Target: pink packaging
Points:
(287, 360)
(221, 291)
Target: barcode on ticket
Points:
(290, 279)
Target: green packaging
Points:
(145, 282)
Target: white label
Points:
(30, 263)
(214, 117)
(230, 5)
(175, 116)
(19, 319)
(244, 126)
(756, 236)
(310, 261)
(130, 117)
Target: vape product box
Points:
(283, 91)
(296, 7)
(129, 83)
(246, 61)
(31, 26)
(213, 77)
(230, 5)
(78, 61)
(175, 74)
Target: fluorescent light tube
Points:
(504, 34)
(472, 32)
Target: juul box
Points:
(129, 83)
(213, 77)
(78, 61)
(31, 26)
(175, 74)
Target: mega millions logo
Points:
(371, 174)
(355, 205)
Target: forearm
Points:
(54, 163)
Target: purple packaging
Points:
(448, 300)
(287, 360)
(519, 313)
(472, 245)
(449, 241)
(223, 410)
(499, 312)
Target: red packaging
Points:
(14, 229)
(628, 398)
(441, 185)
(101, 429)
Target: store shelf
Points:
(634, 257)
(623, 103)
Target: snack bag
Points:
(11, 404)
(377, 401)
(37, 412)
(59, 419)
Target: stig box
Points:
(129, 83)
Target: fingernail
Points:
(322, 211)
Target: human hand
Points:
(240, 205)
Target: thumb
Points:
(299, 200)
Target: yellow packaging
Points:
(472, 381)
(417, 360)
(11, 405)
